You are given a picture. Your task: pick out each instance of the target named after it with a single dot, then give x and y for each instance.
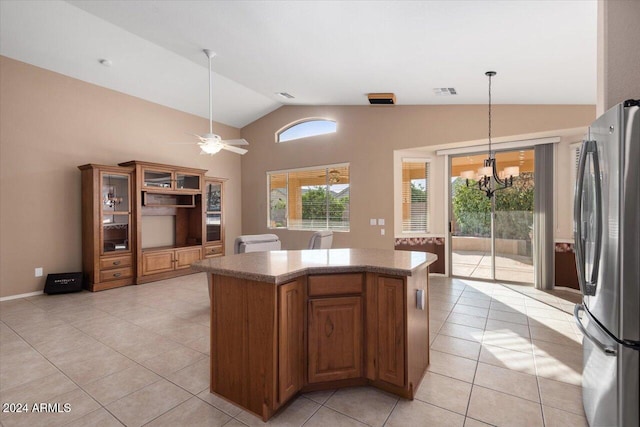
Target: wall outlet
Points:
(372, 221)
(39, 272)
(382, 231)
(380, 221)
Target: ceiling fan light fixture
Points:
(210, 143)
(211, 147)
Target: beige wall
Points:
(367, 137)
(50, 124)
(618, 52)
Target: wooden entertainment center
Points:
(143, 222)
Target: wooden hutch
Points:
(143, 222)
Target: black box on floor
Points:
(61, 283)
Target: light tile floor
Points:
(500, 355)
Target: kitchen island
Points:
(283, 322)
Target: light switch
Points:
(382, 231)
(380, 221)
(372, 221)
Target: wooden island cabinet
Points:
(285, 322)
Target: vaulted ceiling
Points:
(321, 52)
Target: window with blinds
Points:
(415, 195)
(310, 199)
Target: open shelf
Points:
(168, 200)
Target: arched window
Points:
(306, 128)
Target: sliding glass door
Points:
(491, 237)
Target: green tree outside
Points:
(314, 205)
(514, 209)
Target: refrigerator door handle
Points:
(577, 217)
(606, 349)
(588, 285)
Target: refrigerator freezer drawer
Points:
(610, 378)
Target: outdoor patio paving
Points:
(477, 265)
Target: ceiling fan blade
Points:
(234, 149)
(241, 141)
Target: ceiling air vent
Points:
(444, 91)
(382, 98)
(285, 95)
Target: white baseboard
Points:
(30, 294)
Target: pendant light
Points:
(488, 179)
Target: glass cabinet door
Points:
(214, 197)
(157, 179)
(214, 224)
(115, 212)
(115, 233)
(213, 208)
(187, 182)
(115, 192)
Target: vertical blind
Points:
(415, 196)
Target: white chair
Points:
(321, 240)
(256, 243)
(253, 243)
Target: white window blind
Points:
(415, 195)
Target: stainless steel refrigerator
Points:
(607, 246)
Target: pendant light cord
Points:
(490, 153)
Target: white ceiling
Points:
(322, 52)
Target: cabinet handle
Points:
(117, 274)
(116, 262)
(328, 327)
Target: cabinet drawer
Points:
(115, 274)
(335, 284)
(210, 251)
(116, 262)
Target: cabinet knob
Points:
(116, 262)
(117, 274)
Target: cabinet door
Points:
(291, 339)
(391, 339)
(185, 181)
(115, 212)
(152, 178)
(335, 339)
(157, 262)
(186, 257)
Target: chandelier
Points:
(488, 179)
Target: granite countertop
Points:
(282, 266)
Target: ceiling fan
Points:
(211, 143)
